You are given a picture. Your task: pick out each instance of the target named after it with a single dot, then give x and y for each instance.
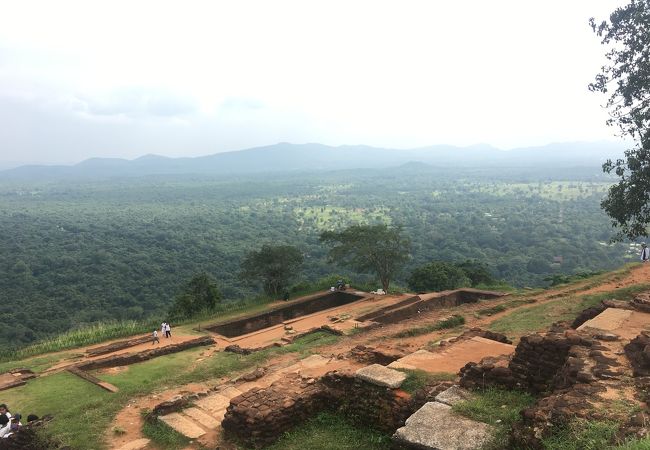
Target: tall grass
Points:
(88, 335)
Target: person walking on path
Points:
(163, 329)
(645, 253)
(155, 338)
(168, 330)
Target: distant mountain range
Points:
(285, 157)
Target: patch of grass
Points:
(640, 444)
(417, 379)
(164, 436)
(493, 405)
(328, 431)
(582, 434)
(541, 316)
(451, 322)
(305, 344)
(497, 407)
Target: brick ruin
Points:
(575, 374)
(260, 416)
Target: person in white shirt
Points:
(645, 253)
(5, 426)
(168, 330)
(155, 338)
(163, 328)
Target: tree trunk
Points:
(385, 282)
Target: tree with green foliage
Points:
(274, 265)
(626, 79)
(477, 272)
(438, 276)
(370, 248)
(200, 294)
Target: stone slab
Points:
(138, 444)
(609, 320)
(453, 357)
(436, 427)
(230, 392)
(381, 376)
(453, 395)
(108, 386)
(183, 425)
(213, 403)
(202, 418)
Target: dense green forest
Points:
(80, 252)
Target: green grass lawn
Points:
(328, 431)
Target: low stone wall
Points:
(490, 371)
(119, 345)
(588, 314)
(476, 331)
(370, 355)
(132, 358)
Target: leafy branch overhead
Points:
(370, 248)
(626, 79)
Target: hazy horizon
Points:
(121, 80)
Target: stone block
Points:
(436, 427)
(381, 376)
(453, 395)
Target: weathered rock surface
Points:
(453, 395)
(436, 427)
(183, 425)
(381, 376)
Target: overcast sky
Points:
(184, 78)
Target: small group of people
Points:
(165, 330)
(9, 424)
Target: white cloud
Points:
(385, 73)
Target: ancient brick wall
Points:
(260, 416)
(376, 406)
(540, 363)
